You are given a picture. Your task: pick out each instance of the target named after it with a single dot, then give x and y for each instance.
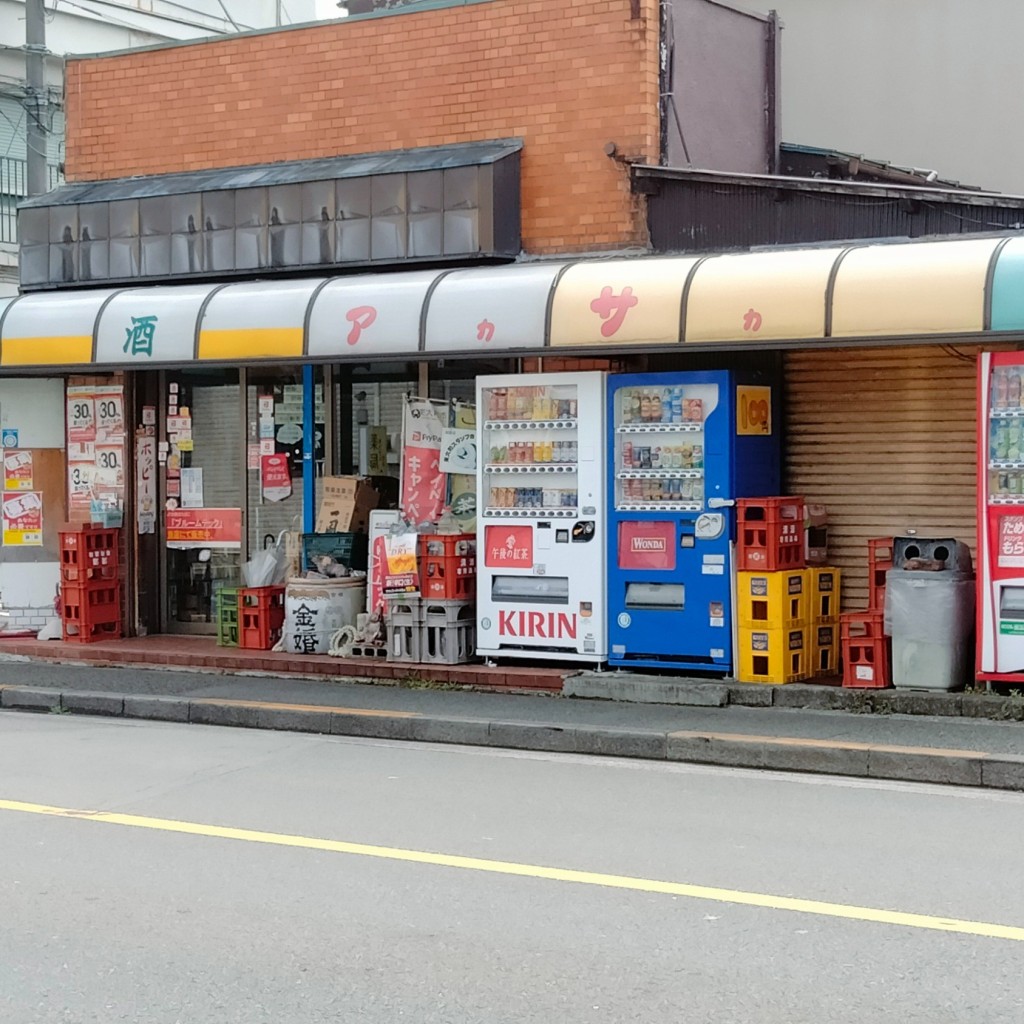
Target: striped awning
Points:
(897, 291)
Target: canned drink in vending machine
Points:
(627, 454)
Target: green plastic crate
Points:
(226, 613)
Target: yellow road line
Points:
(817, 744)
(498, 867)
(367, 712)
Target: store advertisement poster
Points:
(109, 409)
(23, 520)
(145, 484)
(81, 415)
(400, 568)
(17, 471)
(422, 482)
(275, 477)
(508, 547)
(203, 528)
(1011, 542)
(462, 485)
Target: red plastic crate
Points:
(89, 552)
(90, 604)
(880, 555)
(261, 617)
(866, 650)
(448, 566)
(83, 633)
(770, 534)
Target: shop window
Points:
(389, 229)
(284, 225)
(318, 211)
(218, 210)
(186, 234)
(34, 226)
(34, 263)
(425, 214)
(63, 244)
(94, 230)
(156, 255)
(155, 216)
(461, 210)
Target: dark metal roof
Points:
(397, 161)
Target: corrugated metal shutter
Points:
(885, 438)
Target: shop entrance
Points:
(202, 479)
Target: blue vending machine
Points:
(682, 448)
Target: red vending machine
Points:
(1000, 640)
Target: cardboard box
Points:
(345, 505)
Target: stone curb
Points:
(860, 760)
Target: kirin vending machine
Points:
(1000, 604)
(541, 517)
(682, 448)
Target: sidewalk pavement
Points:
(951, 749)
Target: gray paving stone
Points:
(209, 713)
(294, 720)
(621, 743)
(378, 727)
(945, 769)
(827, 760)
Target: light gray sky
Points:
(327, 9)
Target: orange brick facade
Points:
(567, 76)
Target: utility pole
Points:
(35, 97)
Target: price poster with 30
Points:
(96, 447)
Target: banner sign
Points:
(203, 527)
(423, 483)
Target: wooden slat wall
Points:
(886, 439)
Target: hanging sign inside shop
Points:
(422, 482)
(203, 528)
(275, 477)
(400, 569)
(458, 450)
(17, 471)
(377, 451)
(145, 484)
(23, 520)
(753, 411)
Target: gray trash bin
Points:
(930, 617)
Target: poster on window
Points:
(400, 568)
(422, 482)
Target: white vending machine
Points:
(541, 517)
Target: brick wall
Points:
(568, 76)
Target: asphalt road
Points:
(250, 877)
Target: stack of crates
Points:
(261, 615)
(90, 591)
(770, 534)
(823, 583)
(774, 618)
(867, 651)
(225, 608)
(438, 626)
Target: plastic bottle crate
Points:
(90, 633)
(867, 652)
(404, 620)
(225, 603)
(773, 600)
(350, 549)
(769, 534)
(823, 585)
(90, 604)
(448, 566)
(773, 655)
(824, 649)
(880, 561)
(261, 617)
(88, 553)
(447, 632)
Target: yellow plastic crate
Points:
(773, 600)
(774, 655)
(824, 649)
(823, 587)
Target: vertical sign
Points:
(423, 483)
(753, 411)
(145, 483)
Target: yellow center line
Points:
(498, 867)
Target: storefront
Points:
(874, 343)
